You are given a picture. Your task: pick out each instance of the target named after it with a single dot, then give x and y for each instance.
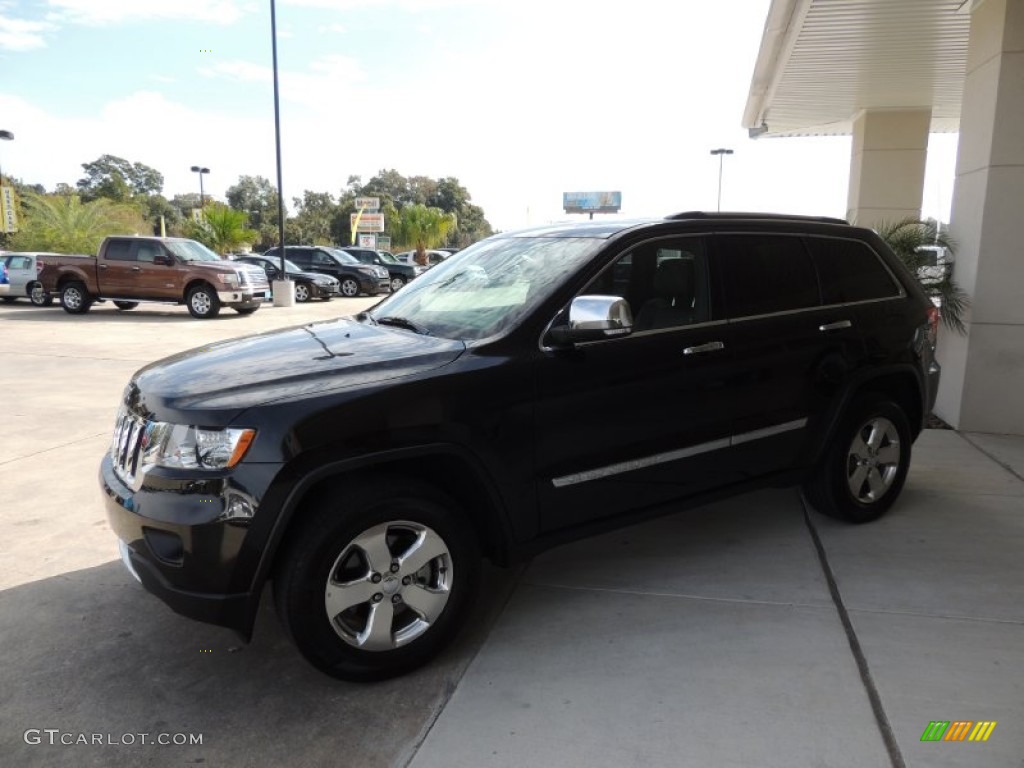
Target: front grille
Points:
(131, 437)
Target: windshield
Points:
(190, 250)
(486, 288)
(387, 258)
(343, 257)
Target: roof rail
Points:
(744, 215)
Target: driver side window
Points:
(665, 282)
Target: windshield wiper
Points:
(401, 322)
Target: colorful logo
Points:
(958, 730)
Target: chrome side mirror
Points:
(592, 318)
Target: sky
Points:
(521, 100)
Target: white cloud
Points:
(22, 34)
(331, 79)
(337, 29)
(101, 12)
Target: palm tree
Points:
(421, 228)
(65, 224)
(912, 240)
(222, 229)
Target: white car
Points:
(23, 271)
(433, 257)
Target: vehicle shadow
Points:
(90, 652)
(104, 313)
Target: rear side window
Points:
(850, 270)
(765, 274)
(119, 250)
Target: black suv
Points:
(537, 387)
(399, 273)
(354, 277)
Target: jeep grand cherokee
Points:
(537, 387)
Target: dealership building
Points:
(890, 73)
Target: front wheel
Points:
(397, 283)
(302, 292)
(75, 299)
(377, 579)
(245, 310)
(39, 297)
(203, 302)
(126, 305)
(349, 287)
(864, 469)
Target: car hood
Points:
(314, 276)
(230, 376)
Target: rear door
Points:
(21, 271)
(793, 354)
(118, 271)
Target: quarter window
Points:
(765, 274)
(850, 271)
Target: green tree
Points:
(118, 179)
(65, 224)
(421, 227)
(222, 229)
(315, 216)
(910, 240)
(257, 197)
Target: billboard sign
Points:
(367, 222)
(591, 202)
(368, 203)
(368, 241)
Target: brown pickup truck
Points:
(128, 270)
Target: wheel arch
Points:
(449, 468)
(193, 283)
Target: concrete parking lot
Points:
(743, 633)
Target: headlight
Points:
(228, 278)
(367, 270)
(184, 447)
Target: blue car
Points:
(5, 283)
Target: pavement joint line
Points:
(614, 590)
(90, 357)
(410, 753)
(874, 698)
(939, 616)
(53, 448)
(994, 458)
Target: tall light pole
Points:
(283, 289)
(6, 136)
(721, 152)
(201, 171)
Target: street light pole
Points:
(201, 171)
(283, 289)
(721, 152)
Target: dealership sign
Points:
(367, 222)
(591, 202)
(8, 216)
(368, 203)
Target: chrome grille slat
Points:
(126, 445)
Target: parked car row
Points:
(22, 277)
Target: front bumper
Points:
(243, 297)
(175, 539)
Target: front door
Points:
(643, 419)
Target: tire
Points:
(349, 287)
(864, 468)
(38, 296)
(124, 306)
(397, 283)
(75, 298)
(343, 553)
(302, 292)
(203, 303)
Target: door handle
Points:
(837, 325)
(103, 266)
(711, 346)
(136, 269)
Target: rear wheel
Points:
(302, 292)
(377, 579)
(38, 296)
(203, 302)
(864, 469)
(349, 287)
(126, 305)
(75, 299)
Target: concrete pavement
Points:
(743, 633)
